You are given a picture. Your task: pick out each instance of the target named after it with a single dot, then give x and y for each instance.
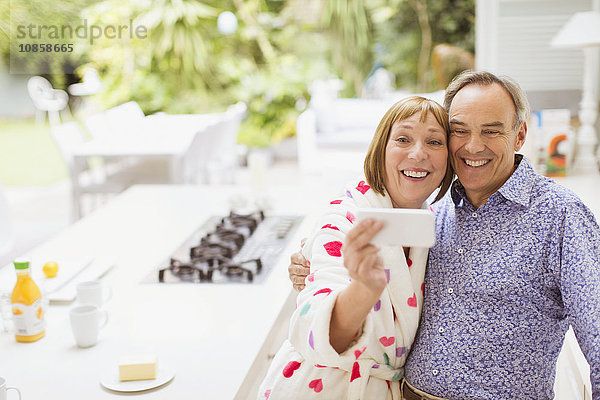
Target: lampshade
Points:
(581, 30)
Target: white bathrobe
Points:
(306, 366)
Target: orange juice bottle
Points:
(27, 308)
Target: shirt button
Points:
(474, 215)
(460, 251)
(441, 330)
(435, 372)
(450, 290)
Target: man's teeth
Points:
(476, 163)
(415, 174)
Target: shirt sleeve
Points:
(309, 328)
(580, 283)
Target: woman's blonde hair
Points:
(406, 108)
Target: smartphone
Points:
(403, 226)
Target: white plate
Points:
(112, 382)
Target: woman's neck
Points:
(416, 205)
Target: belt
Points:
(408, 393)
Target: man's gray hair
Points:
(484, 78)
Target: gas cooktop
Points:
(234, 248)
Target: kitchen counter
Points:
(211, 335)
(208, 334)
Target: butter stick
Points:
(137, 367)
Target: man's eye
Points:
(491, 132)
(436, 142)
(459, 132)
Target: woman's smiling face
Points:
(416, 157)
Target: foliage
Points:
(185, 65)
(398, 33)
(274, 94)
(24, 13)
(349, 26)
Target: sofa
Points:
(335, 133)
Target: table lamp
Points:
(582, 30)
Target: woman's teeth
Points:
(476, 163)
(415, 174)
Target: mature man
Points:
(516, 260)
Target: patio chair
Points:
(101, 181)
(47, 99)
(96, 125)
(223, 162)
(115, 121)
(90, 84)
(124, 117)
(200, 153)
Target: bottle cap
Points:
(21, 263)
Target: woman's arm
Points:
(368, 277)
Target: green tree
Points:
(54, 65)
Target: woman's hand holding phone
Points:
(362, 259)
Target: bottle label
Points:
(28, 319)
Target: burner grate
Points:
(236, 248)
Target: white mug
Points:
(4, 389)
(86, 322)
(93, 292)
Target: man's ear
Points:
(521, 135)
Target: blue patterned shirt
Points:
(503, 283)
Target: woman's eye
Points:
(436, 142)
(402, 140)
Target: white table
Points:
(157, 136)
(208, 333)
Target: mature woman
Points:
(358, 315)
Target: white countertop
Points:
(209, 334)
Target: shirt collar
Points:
(516, 189)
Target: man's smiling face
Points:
(483, 139)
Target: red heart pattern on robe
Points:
(387, 341)
(267, 394)
(289, 369)
(329, 226)
(316, 385)
(412, 301)
(409, 262)
(357, 353)
(363, 187)
(355, 371)
(324, 290)
(334, 249)
(350, 217)
(311, 277)
(336, 202)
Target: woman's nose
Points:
(417, 152)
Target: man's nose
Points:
(475, 144)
